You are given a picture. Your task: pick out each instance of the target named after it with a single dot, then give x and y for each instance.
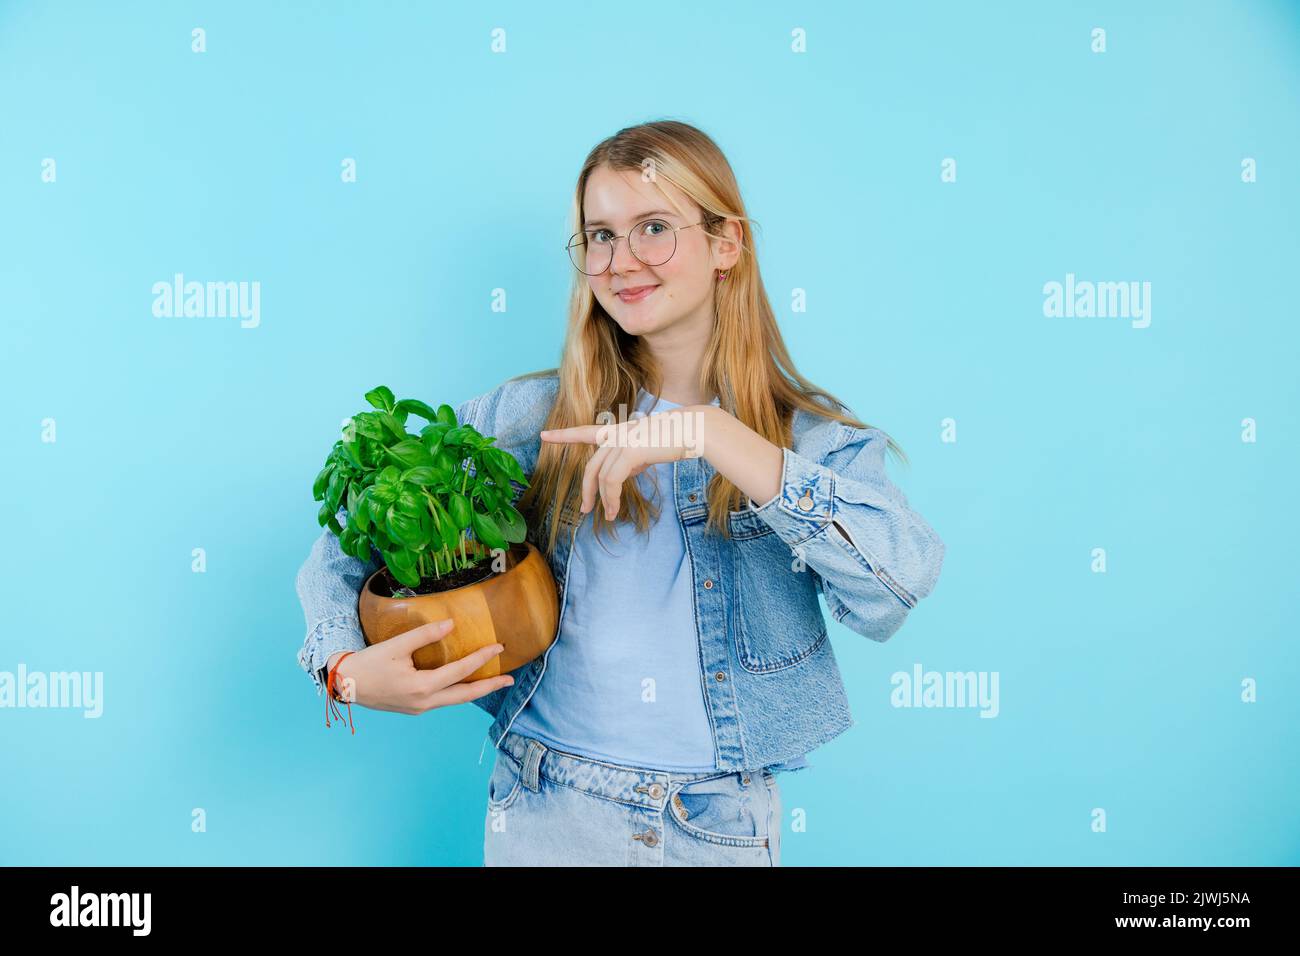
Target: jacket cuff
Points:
(330, 636)
(806, 502)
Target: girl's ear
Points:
(727, 252)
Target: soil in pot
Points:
(385, 585)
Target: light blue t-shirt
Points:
(622, 682)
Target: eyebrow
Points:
(639, 217)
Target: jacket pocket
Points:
(778, 619)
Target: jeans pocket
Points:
(505, 783)
(721, 810)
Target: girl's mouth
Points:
(636, 295)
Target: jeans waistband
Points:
(634, 785)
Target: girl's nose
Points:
(624, 261)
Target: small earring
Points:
(721, 276)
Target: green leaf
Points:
(371, 452)
(393, 427)
(321, 482)
(381, 398)
(421, 475)
(461, 435)
(352, 452)
(367, 425)
(512, 524)
(447, 463)
(416, 407)
(491, 497)
(402, 566)
(446, 527)
(511, 466)
(404, 528)
(410, 454)
(362, 513)
(460, 510)
(446, 414)
(485, 529)
(334, 490)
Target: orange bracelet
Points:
(330, 698)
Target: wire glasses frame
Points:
(578, 243)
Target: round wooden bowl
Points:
(518, 608)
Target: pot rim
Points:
(522, 550)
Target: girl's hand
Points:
(384, 677)
(629, 448)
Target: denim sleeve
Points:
(329, 585)
(875, 556)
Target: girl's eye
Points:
(650, 228)
(600, 235)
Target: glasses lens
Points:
(589, 254)
(654, 242)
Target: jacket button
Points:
(720, 676)
(708, 584)
(691, 496)
(656, 791)
(650, 838)
(806, 502)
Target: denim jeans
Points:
(547, 807)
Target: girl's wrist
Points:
(339, 665)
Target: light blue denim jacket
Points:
(838, 527)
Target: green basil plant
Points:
(429, 503)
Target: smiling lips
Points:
(636, 293)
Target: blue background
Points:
(1119, 690)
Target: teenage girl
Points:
(692, 662)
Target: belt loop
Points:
(532, 764)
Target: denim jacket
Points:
(838, 528)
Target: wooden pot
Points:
(518, 607)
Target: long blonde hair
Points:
(602, 367)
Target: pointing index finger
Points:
(590, 434)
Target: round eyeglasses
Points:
(653, 242)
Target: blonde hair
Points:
(746, 363)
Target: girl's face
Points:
(679, 290)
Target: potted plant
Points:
(439, 509)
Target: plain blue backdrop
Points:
(1119, 691)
